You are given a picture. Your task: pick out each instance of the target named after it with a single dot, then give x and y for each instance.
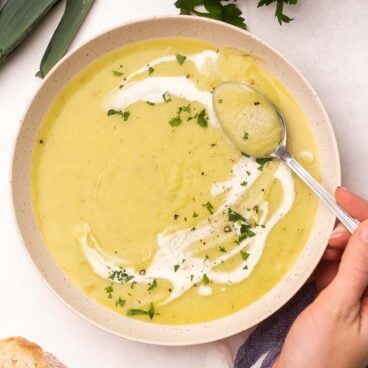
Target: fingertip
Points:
(339, 240)
(339, 237)
(352, 203)
(363, 232)
(331, 254)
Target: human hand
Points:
(333, 330)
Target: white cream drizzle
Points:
(174, 247)
(202, 61)
(152, 88)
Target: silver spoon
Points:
(282, 153)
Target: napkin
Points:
(263, 346)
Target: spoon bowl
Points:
(240, 108)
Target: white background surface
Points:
(327, 42)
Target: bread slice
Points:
(17, 352)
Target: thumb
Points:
(352, 277)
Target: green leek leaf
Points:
(17, 19)
(74, 15)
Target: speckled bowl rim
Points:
(171, 26)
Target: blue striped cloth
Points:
(263, 346)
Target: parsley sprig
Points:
(230, 13)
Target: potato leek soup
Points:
(146, 204)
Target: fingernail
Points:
(364, 235)
(338, 231)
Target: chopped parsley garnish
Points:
(195, 214)
(223, 249)
(151, 311)
(202, 119)
(119, 302)
(248, 173)
(180, 58)
(150, 103)
(244, 183)
(140, 312)
(176, 267)
(136, 312)
(245, 255)
(220, 100)
(153, 285)
(235, 216)
(120, 276)
(109, 290)
(209, 207)
(245, 232)
(166, 97)
(191, 277)
(262, 161)
(150, 70)
(123, 114)
(186, 108)
(175, 121)
(205, 279)
(245, 136)
(117, 73)
(245, 227)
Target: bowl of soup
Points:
(137, 209)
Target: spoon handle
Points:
(350, 223)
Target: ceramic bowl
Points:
(67, 68)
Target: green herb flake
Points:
(205, 279)
(191, 277)
(186, 108)
(202, 119)
(150, 103)
(245, 255)
(220, 101)
(117, 73)
(245, 232)
(245, 136)
(244, 183)
(223, 249)
(195, 214)
(123, 114)
(153, 285)
(180, 58)
(119, 302)
(209, 207)
(109, 290)
(151, 311)
(120, 276)
(150, 70)
(176, 267)
(235, 216)
(174, 122)
(262, 161)
(136, 312)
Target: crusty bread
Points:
(17, 352)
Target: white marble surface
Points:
(328, 42)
